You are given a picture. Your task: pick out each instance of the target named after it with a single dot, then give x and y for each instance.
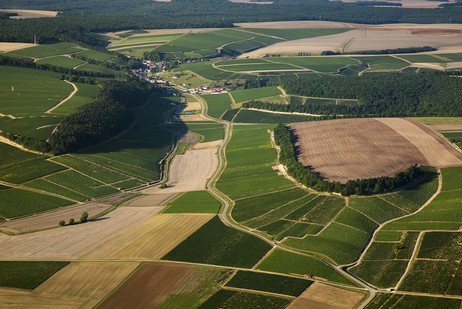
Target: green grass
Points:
(293, 263)
(376, 208)
(217, 104)
(209, 131)
(61, 61)
(254, 94)
(215, 243)
(194, 202)
(27, 275)
(454, 137)
(388, 236)
(28, 92)
(412, 302)
(379, 63)
(233, 299)
(18, 202)
(48, 50)
(269, 283)
(97, 68)
(294, 34)
(85, 95)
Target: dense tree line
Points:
(306, 176)
(27, 142)
(408, 50)
(80, 19)
(109, 115)
(29, 63)
(381, 95)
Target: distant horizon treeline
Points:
(379, 95)
(308, 177)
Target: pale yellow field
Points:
(151, 239)
(88, 281)
(8, 47)
(323, 296)
(152, 200)
(10, 298)
(370, 37)
(24, 14)
(71, 242)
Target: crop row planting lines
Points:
(411, 260)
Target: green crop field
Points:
(269, 283)
(249, 161)
(209, 131)
(437, 267)
(270, 66)
(215, 243)
(194, 202)
(293, 263)
(39, 127)
(48, 50)
(422, 58)
(44, 185)
(454, 137)
(85, 95)
(412, 302)
(28, 170)
(27, 275)
(28, 92)
(18, 202)
(217, 104)
(96, 55)
(61, 61)
(138, 40)
(295, 34)
(379, 63)
(320, 64)
(442, 213)
(388, 236)
(206, 70)
(254, 94)
(233, 299)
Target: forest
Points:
(109, 115)
(79, 19)
(284, 138)
(378, 95)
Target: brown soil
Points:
(323, 296)
(447, 127)
(148, 287)
(153, 200)
(52, 218)
(346, 149)
(8, 47)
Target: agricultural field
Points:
(85, 95)
(217, 104)
(416, 144)
(209, 131)
(455, 138)
(261, 116)
(28, 92)
(234, 299)
(381, 63)
(194, 202)
(411, 301)
(27, 275)
(48, 50)
(295, 34)
(241, 96)
(218, 244)
(269, 283)
(292, 263)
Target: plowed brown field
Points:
(346, 149)
(148, 287)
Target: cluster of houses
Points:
(206, 90)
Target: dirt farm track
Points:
(346, 149)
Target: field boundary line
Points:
(393, 204)
(363, 214)
(262, 194)
(60, 185)
(258, 292)
(76, 89)
(23, 187)
(412, 259)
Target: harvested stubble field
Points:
(51, 219)
(321, 296)
(71, 242)
(93, 279)
(150, 239)
(340, 152)
(148, 287)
